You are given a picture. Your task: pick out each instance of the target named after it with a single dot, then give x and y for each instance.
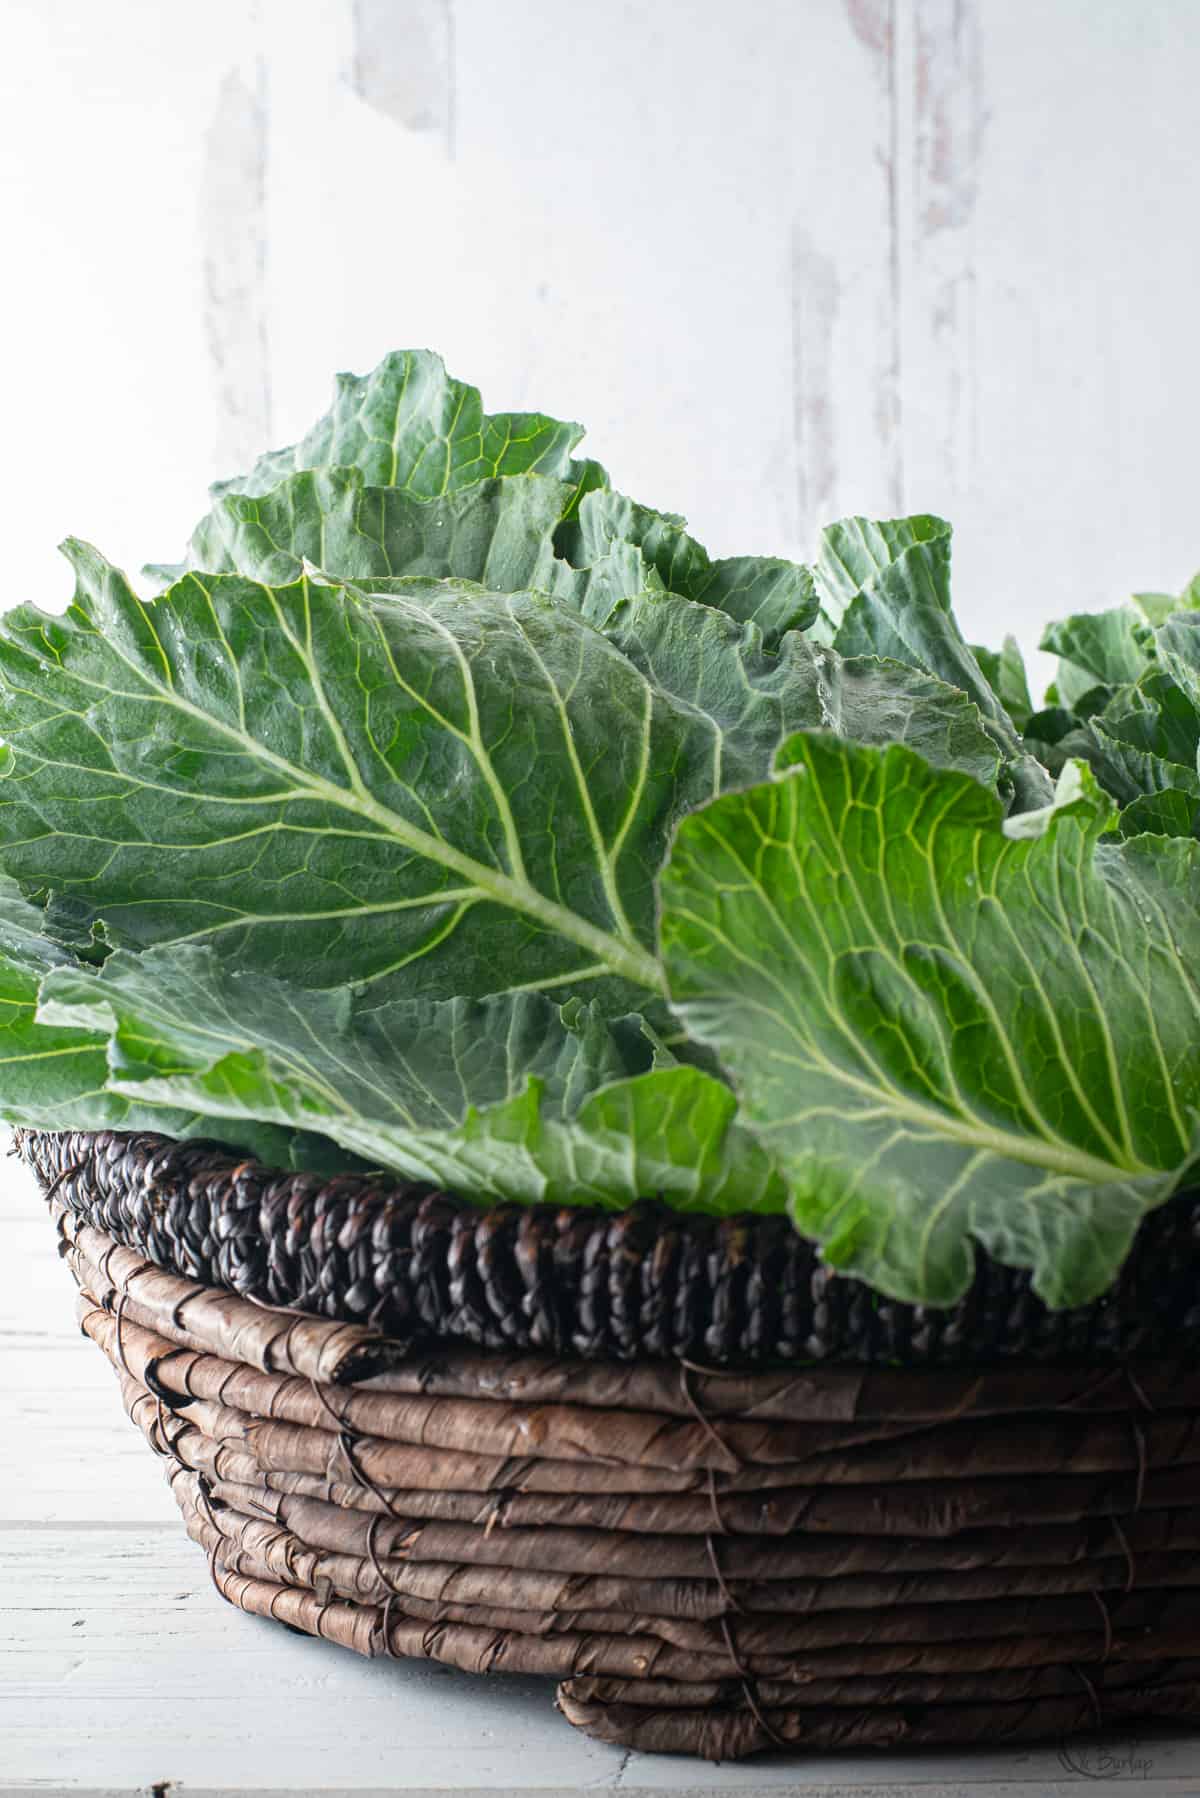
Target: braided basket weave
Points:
(483, 1437)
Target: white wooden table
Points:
(121, 1671)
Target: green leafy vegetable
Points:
(886, 588)
(1097, 649)
(44, 1070)
(325, 786)
(408, 476)
(454, 813)
(448, 792)
(942, 1030)
(1129, 705)
(1156, 608)
(1178, 643)
(1005, 673)
(409, 424)
(1170, 813)
(58, 1072)
(507, 1098)
(853, 553)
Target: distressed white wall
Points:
(786, 258)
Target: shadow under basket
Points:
(728, 1500)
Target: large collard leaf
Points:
(1102, 650)
(1156, 608)
(502, 535)
(45, 1072)
(1178, 648)
(499, 534)
(749, 696)
(402, 450)
(854, 551)
(409, 424)
(776, 595)
(55, 1076)
(901, 608)
(456, 792)
(1173, 812)
(944, 1031)
(1156, 716)
(1142, 744)
(508, 535)
(445, 790)
(1125, 770)
(511, 1098)
(884, 590)
(1004, 670)
(1156, 729)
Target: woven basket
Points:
(782, 1550)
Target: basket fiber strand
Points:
(706, 1560)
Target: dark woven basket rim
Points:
(422, 1266)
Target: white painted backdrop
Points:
(785, 258)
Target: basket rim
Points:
(642, 1281)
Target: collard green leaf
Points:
(1049, 726)
(409, 424)
(1123, 770)
(1142, 741)
(1178, 646)
(1156, 608)
(1105, 649)
(943, 1032)
(497, 533)
(766, 591)
(55, 1075)
(885, 591)
(901, 611)
(510, 1098)
(854, 551)
(1171, 813)
(1157, 717)
(401, 454)
(775, 595)
(753, 699)
(1004, 671)
(453, 793)
(445, 790)
(505, 535)
(45, 1072)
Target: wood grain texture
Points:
(879, 26)
(943, 133)
(234, 232)
(404, 63)
(786, 262)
